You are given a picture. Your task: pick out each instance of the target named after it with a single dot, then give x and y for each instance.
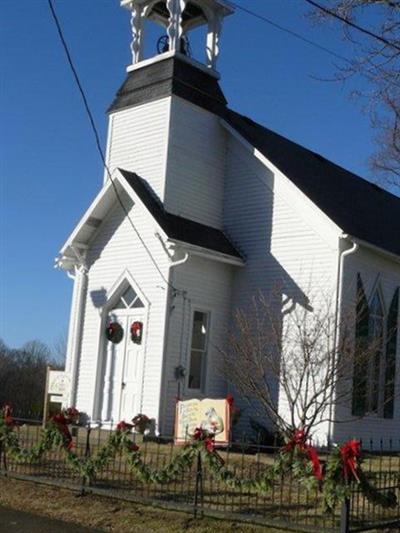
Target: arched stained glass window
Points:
(359, 402)
(374, 370)
(376, 333)
(391, 343)
(129, 300)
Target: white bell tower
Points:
(178, 17)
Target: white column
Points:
(175, 30)
(76, 338)
(105, 406)
(213, 38)
(137, 33)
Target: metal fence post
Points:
(87, 456)
(199, 494)
(3, 457)
(345, 516)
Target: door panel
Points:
(131, 374)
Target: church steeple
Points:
(178, 17)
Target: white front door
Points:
(124, 362)
(131, 373)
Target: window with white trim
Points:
(129, 300)
(198, 350)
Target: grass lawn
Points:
(110, 515)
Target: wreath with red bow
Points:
(114, 332)
(137, 332)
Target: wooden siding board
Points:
(196, 164)
(138, 141)
(208, 286)
(278, 233)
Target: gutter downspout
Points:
(172, 292)
(338, 312)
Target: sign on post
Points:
(211, 415)
(57, 387)
(59, 383)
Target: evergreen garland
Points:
(335, 484)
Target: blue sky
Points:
(49, 167)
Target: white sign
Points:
(59, 383)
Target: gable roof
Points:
(360, 208)
(179, 228)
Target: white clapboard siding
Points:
(137, 141)
(196, 164)
(208, 288)
(374, 269)
(115, 249)
(287, 241)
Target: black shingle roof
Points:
(358, 207)
(176, 227)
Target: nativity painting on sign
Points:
(209, 414)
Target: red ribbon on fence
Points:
(7, 415)
(61, 423)
(350, 452)
(299, 440)
(124, 426)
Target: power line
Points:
(353, 24)
(289, 31)
(97, 137)
(305, 39)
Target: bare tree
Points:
(23, 376)
(378, 61)
(294, 368)
(60, 350)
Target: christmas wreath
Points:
(114, 332)
(137, 332)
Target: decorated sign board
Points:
(211, 415)
(59, 383)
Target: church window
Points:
(361, 333)
(374, 368)
(376, 335)
(391, 345)
(198, 350)
(129, 300)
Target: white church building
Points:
(201, 209)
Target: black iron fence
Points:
(288, 504)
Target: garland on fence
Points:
(342, 469)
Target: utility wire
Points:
(353, 24)
(304, 39)
(97, 138)
(288, 30)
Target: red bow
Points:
(299, 441)
(350, 452)
(124, 426)
(201, 434)
(62, 425)
(7, 414)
